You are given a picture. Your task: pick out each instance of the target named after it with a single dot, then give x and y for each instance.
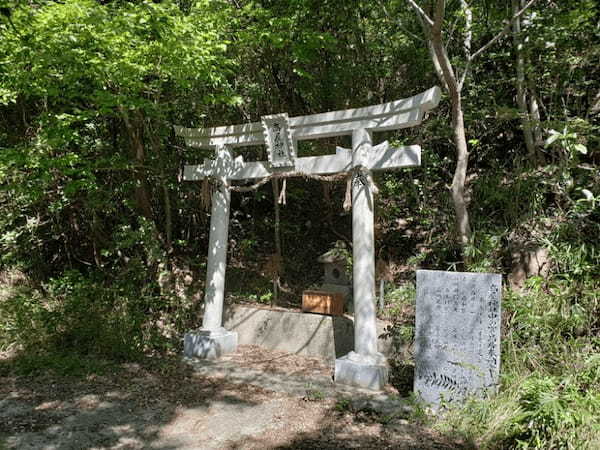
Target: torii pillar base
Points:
(209, 344)
(366, 372)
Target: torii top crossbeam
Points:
(281, 133)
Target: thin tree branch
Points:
(468, 38)
(389, 16)
(450, 34)
(504, 31)
(438, 17)
(500, 35)
(468, 27)
(420, 11)
(437, 43)
(436, 62)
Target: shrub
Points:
(79, 314)
(557, 412)
(550, 380)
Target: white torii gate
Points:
(365, 366)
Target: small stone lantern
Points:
(334, 296)
(334, 266)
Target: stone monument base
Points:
(363, 371)
(209, 344)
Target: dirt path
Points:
(244, 402)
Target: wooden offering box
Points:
(323, 302)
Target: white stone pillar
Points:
(365, 367)
(212, 340)
(217, 259)
(363, 253)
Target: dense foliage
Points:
(102, 248)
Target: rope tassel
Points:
(282, 199)
(363, 176)
(371, 183)
(348, 196)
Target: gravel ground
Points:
(253, 399)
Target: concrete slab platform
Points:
(314, 335)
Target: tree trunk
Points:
(168, 215)
(534, 112)
(463, 227)
(434, 58)
(432, 28)
(168, 210)
(277, 260)
(534, 108)
(521, 86)
(142, 197)
(460, 172)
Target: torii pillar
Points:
(364, 367)
(212, 340)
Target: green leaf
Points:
(554, 136)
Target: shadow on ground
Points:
(129, 405)
(339, 426)
(166, 404)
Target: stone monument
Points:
(365, 366)
(457, 335)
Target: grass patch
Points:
(549, 397)
(58, 364)
(531, 412)
(550, 384)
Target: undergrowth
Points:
(550, 376)
(549, 394)
(76, 323)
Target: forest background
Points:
(103, 247)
